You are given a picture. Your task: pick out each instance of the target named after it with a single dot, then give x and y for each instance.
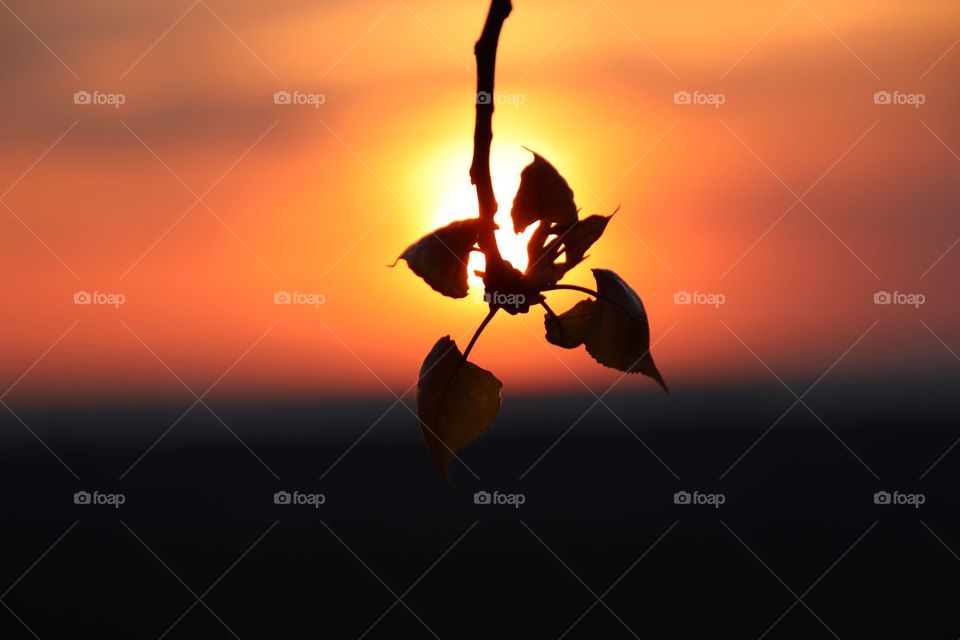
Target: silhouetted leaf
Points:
(542, 270)
(618, 335)
(543, 195)
(440, 258)
(457, 401)
(568, 329)
(550, 241)
(536, 245)
(578, 238)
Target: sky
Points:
(754, 162)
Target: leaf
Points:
(542, 270)
(573, 239)
(578, 238)
(440, 258)
(568, 329)
(618, 335)
(543, 195)
(536, 246)
(457, 401)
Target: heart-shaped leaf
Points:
(617, 334)
(440, 258)
(543, 195)
(569, 329)
(457, 401)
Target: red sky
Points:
(797, 199)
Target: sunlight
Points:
(460, 201)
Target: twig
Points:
(483, 325)
(485, 51)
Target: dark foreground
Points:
(598, 549)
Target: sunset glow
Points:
(317, 196)
(461, 202)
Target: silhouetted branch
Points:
(476, 335)
(485, 51)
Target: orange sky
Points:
(317, 199)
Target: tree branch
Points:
(485, 51)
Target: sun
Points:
(459, 201)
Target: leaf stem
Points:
(554, 317)
(573, 287)
(476, 335)
(589, 292)
(550, 312)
